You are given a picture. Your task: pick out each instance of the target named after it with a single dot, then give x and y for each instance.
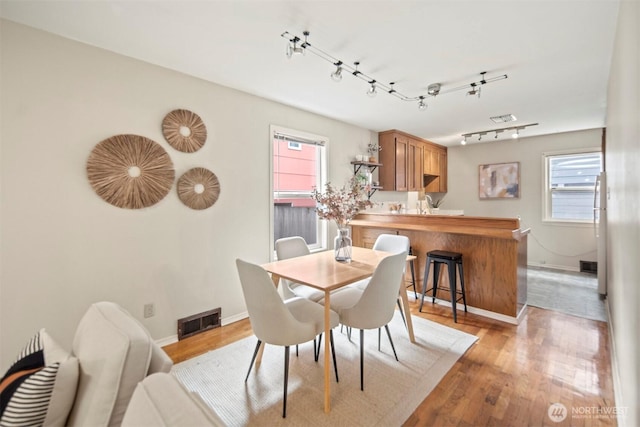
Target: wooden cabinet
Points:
(435, 169)
(415, 170)
(409, 160)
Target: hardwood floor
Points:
(510, 376)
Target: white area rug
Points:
(392, 390)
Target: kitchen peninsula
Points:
(494, 252)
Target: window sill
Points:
(568, 223)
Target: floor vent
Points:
(188, 326)
(588, 267)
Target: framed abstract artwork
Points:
(499, 181)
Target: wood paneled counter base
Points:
(494, 251)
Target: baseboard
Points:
(553, 267)
(615, 370)
(486, 313)
(225, 321)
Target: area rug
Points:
(392, 389)
(565, 291)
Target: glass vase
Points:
(342, 245)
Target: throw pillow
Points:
(40, 387)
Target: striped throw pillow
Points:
(39, 388)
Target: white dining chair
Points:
(274, 321)
(372, 307)
(389, 243)
(291, 247)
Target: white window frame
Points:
(321, 226)
(546, 190)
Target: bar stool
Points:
(451, 259)
(413, 273)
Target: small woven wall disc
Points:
(198, 188)
(130, 171)
(185, 131)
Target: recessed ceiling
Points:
(556, 54)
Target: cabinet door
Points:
(415, 162)
(402, 147)
(443, 172)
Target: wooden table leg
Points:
(276, 280)
(407, 310)
(327, 349)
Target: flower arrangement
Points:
(341, 205)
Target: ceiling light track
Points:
(297, 46)
(482, 133)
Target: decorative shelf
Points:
(371, 165)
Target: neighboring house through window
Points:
(299, 166)
(570, 179)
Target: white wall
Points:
(623, 164)
(64, 248)
(550, 244)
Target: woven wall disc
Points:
(198, 188)
(130, 171)
(185, 131)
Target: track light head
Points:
(372, 92)
(422, 105)
(336, 76)
(293, 48)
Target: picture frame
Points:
(499, 181)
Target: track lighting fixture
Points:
(337, 74)
(372, 90)
(294, 49)
(422, 105)
(482, 133)
(295, 46)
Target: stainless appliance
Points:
(600, 225)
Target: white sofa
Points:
(115, 375)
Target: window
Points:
(298, 167)
(570, 185)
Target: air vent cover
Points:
(504, 118)
(191, 325)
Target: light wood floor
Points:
(510, 376)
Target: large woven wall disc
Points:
(185, 131)
(198, 188)
(130, 171)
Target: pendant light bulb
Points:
(515, 134)
(464, 140)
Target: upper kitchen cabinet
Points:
(435, 168)
(408, 164)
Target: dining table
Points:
(321, 271)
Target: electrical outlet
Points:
(149, 310)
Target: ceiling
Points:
(556, 55)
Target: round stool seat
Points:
(453, 256)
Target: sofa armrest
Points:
(160, 400)
(160, 361)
